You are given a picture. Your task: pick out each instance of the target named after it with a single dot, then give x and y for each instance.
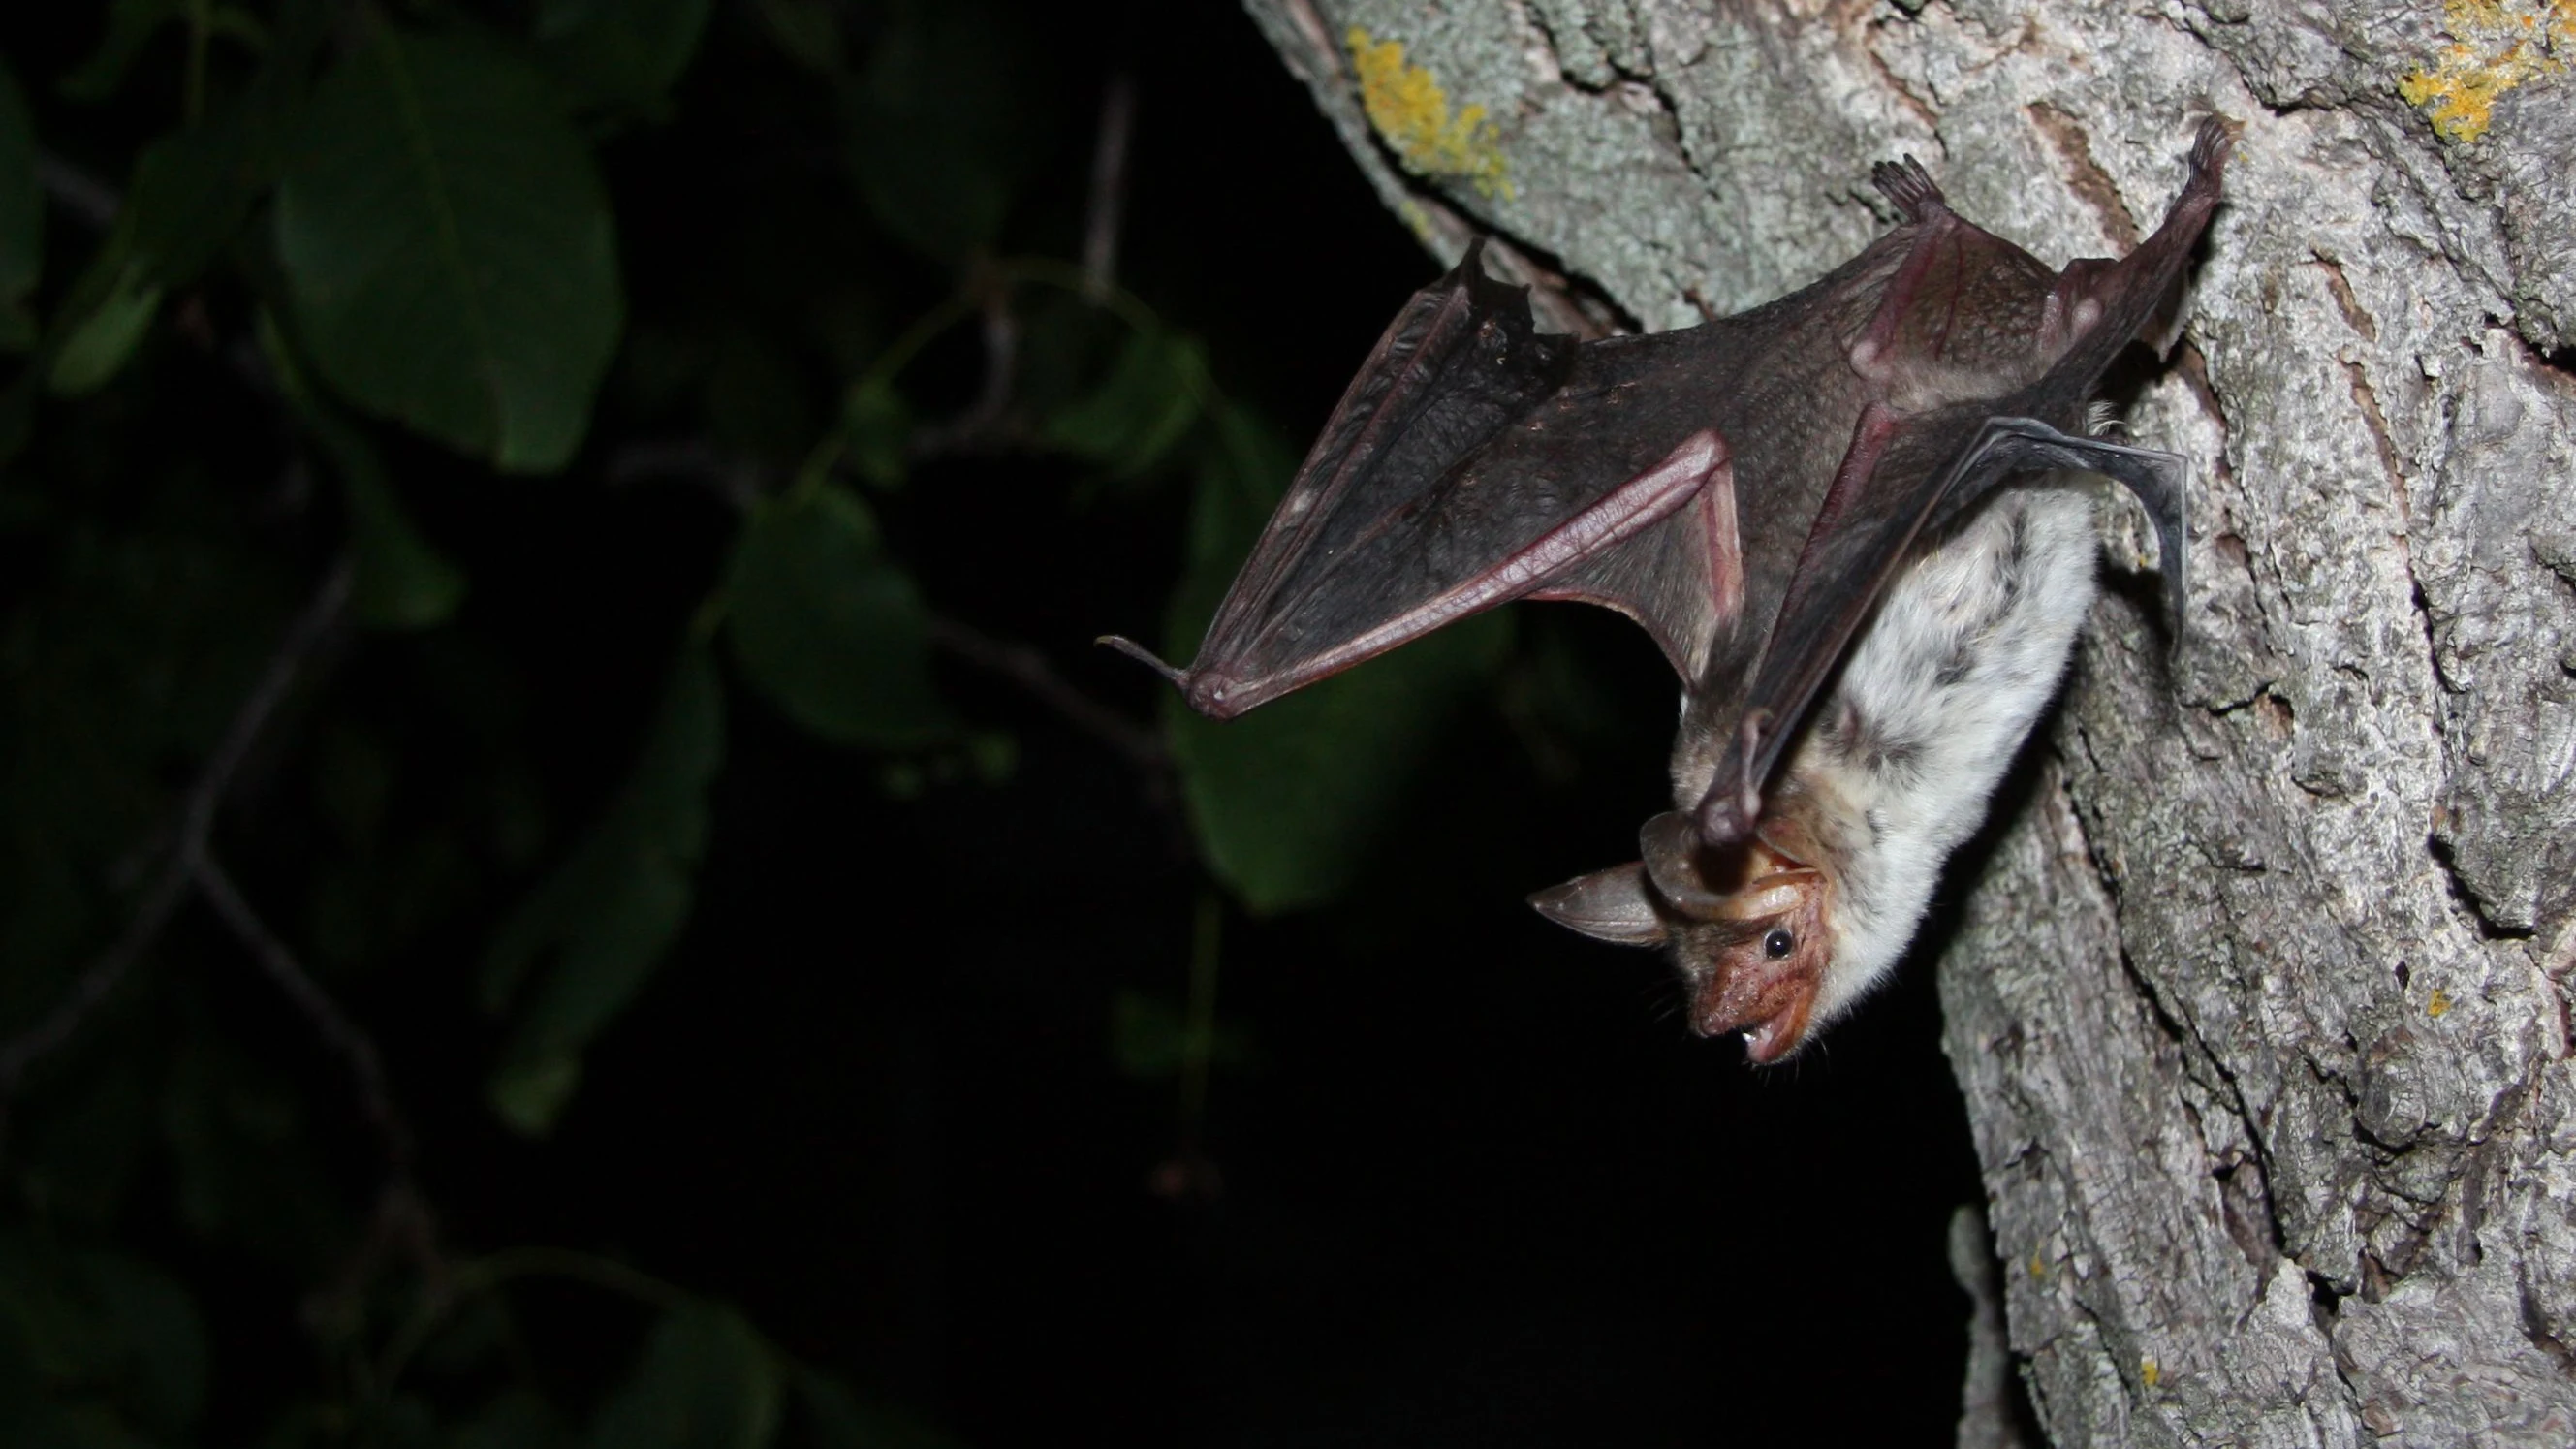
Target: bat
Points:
(1806, 506)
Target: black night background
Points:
(817, 996)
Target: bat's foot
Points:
(1910, 187)
(2161, 481)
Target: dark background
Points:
(1468, 1179)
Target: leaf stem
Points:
(495, 1271)
(201, 30)
(968, 301)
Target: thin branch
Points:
(303, 636)
(980, 427)
(338, 1032)
(1108, 188)
(92, 202)
(1026, 667)
(1001, 333)
(187, 842)
(25, 1049)
(489, 1274)
(401, 1221)
(737, 481)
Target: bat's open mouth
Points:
(1775, 1038)
(1770, 1007)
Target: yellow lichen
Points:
(1412, 112)
(2497, 45)
(2038, 1268)
(1410, 212)
(2150, 1373)
(2440, 1003)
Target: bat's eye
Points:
(1778, 944)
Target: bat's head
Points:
(1749, 925)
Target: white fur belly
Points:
(1962, 653)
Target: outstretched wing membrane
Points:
(1405, 518)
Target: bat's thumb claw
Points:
(1728, 819)
(1146, 657)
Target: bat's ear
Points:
(1611, 905)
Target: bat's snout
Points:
(1771, 1007)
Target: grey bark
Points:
(2260, 1001)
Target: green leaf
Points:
(1289, 799)
(98, 347)
(402, 582)
(756, 401)
(808, 31)
(937, 128)
(193, 190)
(22, 217)
(31, 1420)
(111, 1340)
(829, 628)
(705, 1380)
(244, 1168)
(603, 921)
(449, 250)
(878, 425)
(131, 24)
(1144, 406)
(160, 1362)
(621, 52)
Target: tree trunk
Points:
(2258, 1001)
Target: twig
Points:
(24, 1049)
(487, 1274)
(337, 1031)
(738, 481)
(979, 427)
(1108, 188)
(187, 847)
(91, 202)
(1001, 333)
(1027, 668)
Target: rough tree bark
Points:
(2259, 1003)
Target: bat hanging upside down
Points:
(1818, 484)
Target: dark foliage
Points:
(569, 874)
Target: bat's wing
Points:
(1902, 474)
(1864, 534)
(1402, 520)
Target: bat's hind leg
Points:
(2160, 480)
